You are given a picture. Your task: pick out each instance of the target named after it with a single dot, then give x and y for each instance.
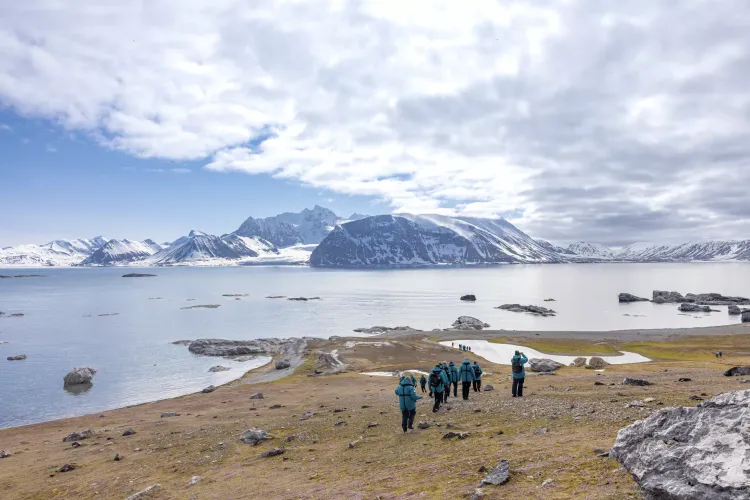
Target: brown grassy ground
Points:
(317, 463)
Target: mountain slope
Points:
(591, 250)
(121, 251)
(414, 240)
(198, 246)
(687, 252)
(54, 253)
(287, 229)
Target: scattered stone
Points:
(579, 362)
(598, 383)
(689, 307)
(254, 436)
(541, 431)
(635, 404)
(307, 415)
(283, 364)
(596, 363)
(203, 306)
(483, 470)
(627, 298)
(543, 365)
(78, 436)
(355, 442)
(77, 376)
(219, 368)
(339, 410)
(469, 298)
(635, 381)
(208, 389)
(372, 425)
(696, 398)
(459, 435)
(169, 414)
(128, 432)
(649, 400)
(423, 425)
(547, 482)
(536, 310)
(690, 453)
(194, 480)
(145, 493)
(737, 370)
(489, 387)
(76, 444)
(117, 457)
(67, 468)
(468, 323)
(257, 395)
(138, 275)
(4, 454)
(17, 357)
(684, 379)
(273, 453)
(339, 424)
(500, 475)
(274, 407)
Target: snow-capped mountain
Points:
(554, 248)
(287, 229)
(686, 252)
(198, 246)
(54, 253)
(591, 251)
(120, 252)
(414, 240)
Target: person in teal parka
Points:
(453, 372)
(423, 383)
(447, 381)
(407, 402)
(466, 374)
(437, 386)
(519, 373)
(477, 377)
(413, 381)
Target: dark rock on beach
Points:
(746, 316)
(536, 310)
(273, 453)
(704, 299)
(208, 389)
(734, 310)
(468, 323)
(219, 368)
(203, 306)
(138, 275)
(627, 298)
(78, 436)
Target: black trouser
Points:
(438, 400)
(455, 389)
(423, 389)
(407, 419)
(465, 389)
(477, 385)
(518, 387)
(446, 393)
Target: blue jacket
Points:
(453, 372)
(407, 396)
(477, 377)
(523, 360)
(422, 381)
(441, 385)
(466, 373)
(413, 380)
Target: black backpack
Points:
(516, 365)
(476, 371)
(434, 379)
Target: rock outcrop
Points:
(635, 381)
(138, 275)
(737, 371)
(254, 436)
(219, 368)
(536, 310)
(543, 365)
(596, 363)
(703, 299)
(690, 307)
(579, 362)
(698, 453)
(625, 298)
(746, 317)
(228, 348)
(499, 475)
(384, 329)
(283, 364)
(734, 310)
(77, 376)
(468, 323)
(17, 357)
(469, 298)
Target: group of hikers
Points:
(443, 376)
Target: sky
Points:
(609, 121)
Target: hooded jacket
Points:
(476, 366)
(407, 396)
(466, 372)
(423, 381)
(453, 372)
(441, 385)
(523, 360)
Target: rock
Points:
(541, 431)
(489, 387)
(276, 296)
(468, 323)
(229, 348)
(596, 363)
(423, 425)
(536, 310)
(688, 307)
(547, 482)
(384, 329)
(307, 415)
(235, 295)
(283, 364)
(746, 316)
(355, 442)
(635, 404)
(459, 435)
(696, 398)
(339, 410)
(581, 361)
(78, 436)
(662, 297)
(649, 400)
(219, 368)
(128, 432)
(203, 306)
(4, 454)
(254, 436)
(117, 457)
(469, 298)
(543, 365)
(598, 383)
(737, 370)
(690, 453)
(17, 357)
(482, 470)
(67, 468)
(257, 395)
(372, 425)
(169, 414)
(685, 379)
(273, 453)
(303, 299)
(274, 407)
(145, 493)
(138, 275)
(82, 375)
(635, 381)
(194, 480)
(659, 300)
(500, 475)
(208, 389)
(734, 310)
(625, 298)
(550, 300)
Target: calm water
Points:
(137, 363)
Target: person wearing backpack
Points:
(453, 372)
(519, 374)
(423, 383)
(407, 402)
(466, 374)
(446, 381)
(477, 377)
(413, 381)
(436, 386)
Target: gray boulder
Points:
(469, 298)
(691, 453)
(746, 316)
(468, 323)
(662, 297)
(257, 395)
(17, 357)
(543, 365)
(78, 436)
(737, 370)
(208, 389)
(4, 454)
(597, 363)
(536, 310)
(635, 381)
(500, 475)
(579, 362)
(254, 436)
(734, 310)
(690, 307)
(219, 368)
(626, 298)
(82, 375)
(488, 387)
(283, 364)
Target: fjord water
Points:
(61, 327)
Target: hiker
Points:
(407, 402)
(423, 384)
(436, 386)
(453, 345)
(721, 354)
(477, 377)
(453, 372)
(460, 347)
(519, 374)
(446, 382)
(466, 374)
(413, 381)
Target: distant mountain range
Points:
(321, 238)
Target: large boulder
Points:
(746, 316)
(662, 297)
(468, 323)
(629, 297)
(283, 364)
(635, 381)
(597, 363)
(254, 436)
(469, 298)
(543, 365)
(692, 453)
(536, 310)
(17, 357)
(690, 307)
(737, 371)
(499, 475)
(580, 361)
(734, 310)
(82, 375)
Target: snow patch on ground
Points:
(352, 344)
(392, 374)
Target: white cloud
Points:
(589, 120)
(180, 170)
(51, 148)
(5, 127)
(154, 170)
